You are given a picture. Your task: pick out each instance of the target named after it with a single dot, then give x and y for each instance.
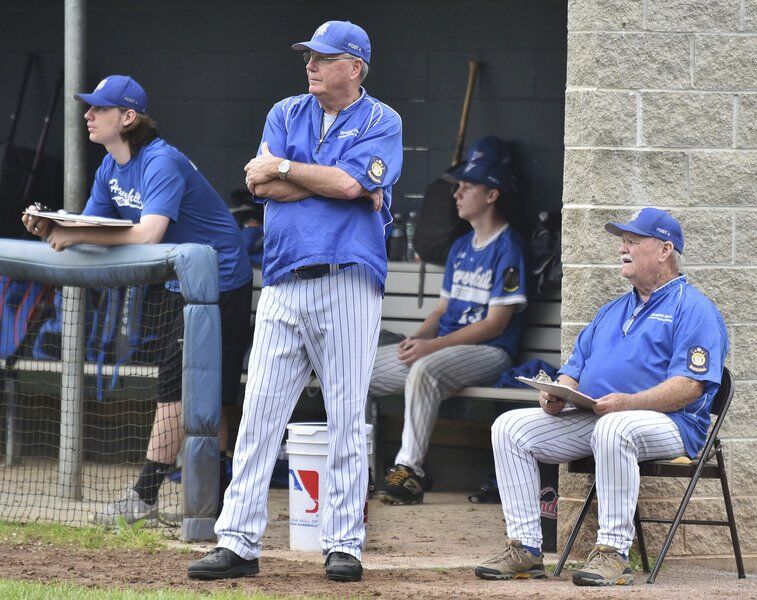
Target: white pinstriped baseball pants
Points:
(618, 441)
(427, 383)
(329, 324)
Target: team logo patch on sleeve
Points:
(376, 169)
(699, 360)
(512, 280)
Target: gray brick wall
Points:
(213, 69)
(661, 105)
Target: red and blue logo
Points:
(306, 481)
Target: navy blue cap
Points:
(335, 37)
(117, 90)
(489, 163)
(651, 222)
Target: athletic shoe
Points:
(514, 562)
(341, 566)
(402, 486)
(222, 563)
(130, 507)
(605, 566)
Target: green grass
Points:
(123, 537)
(21, 590)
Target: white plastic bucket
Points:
(307, 446)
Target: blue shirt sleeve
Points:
(99, 203)
(163, 187)
(274, 131)
(700, 341)
(449, 269)
(375, 159)
(576, 362)
(509, 285)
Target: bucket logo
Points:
(548, 502)
(306, 482)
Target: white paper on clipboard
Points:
(72, 220)
(561, 391)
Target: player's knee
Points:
(421, 379)
(610, 431)
(508, 426)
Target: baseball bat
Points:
(41, 142)
(14, 115)
(473, 67)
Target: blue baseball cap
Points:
(651, 222)
(335, 37)
(117, 90)
(490, 163)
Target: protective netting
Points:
(132, 351)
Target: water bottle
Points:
(398, 239)
(412, 220)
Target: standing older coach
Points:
(325, 170)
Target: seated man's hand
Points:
(37, 225)
(614, 402)
(551, 405)
(412, 349)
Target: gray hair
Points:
(678, 261)
(364, 68)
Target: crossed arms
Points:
(304, 180)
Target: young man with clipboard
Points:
(153, 185)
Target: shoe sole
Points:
(343, 577)
(624, 580)
(388, 499)
(239, 571)
(508, 576)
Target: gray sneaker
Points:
(514, 562)
(130, 507)
(605, 566)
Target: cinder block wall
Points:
(661, 109)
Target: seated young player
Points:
(473, 334)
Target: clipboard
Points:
(561, 391)
(73, 220)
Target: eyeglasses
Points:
(322, 60)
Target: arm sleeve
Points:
(700, 341)
(274, 134)
(164, 188)
(509, 285)
(375, 159)
(99, 203)
(574, 366)
(449, 271)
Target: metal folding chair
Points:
(700, 467)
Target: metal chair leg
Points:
(576, 529)
(729, 512)
(642, 545)
(676, 522)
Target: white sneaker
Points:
(130, 507)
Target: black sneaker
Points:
(403, 486)
(341, 566)
(222, 563)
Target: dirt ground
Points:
(424, 551)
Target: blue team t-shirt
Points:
(677, 332)
(365, 141)
(477, 277)
(160, 180)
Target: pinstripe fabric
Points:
(329, 324)
(430, 380)
(618, 441)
